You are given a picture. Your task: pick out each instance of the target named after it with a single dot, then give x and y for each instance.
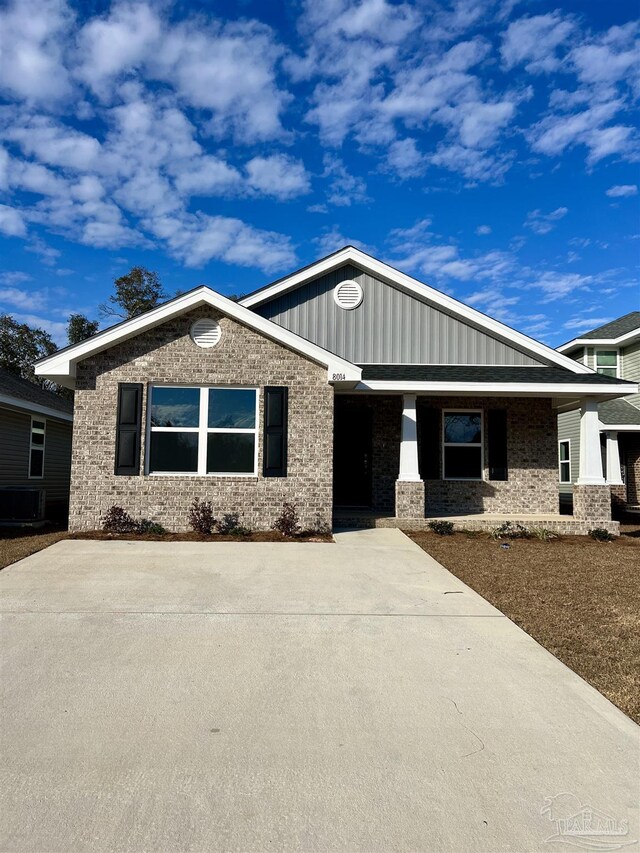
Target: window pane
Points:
(37, 438)
(463, 462)
(35, 467)
(232, 408)
(37, 425)
(564, 451)
(608, 358)
(175, 407)
(564, 472)
(230, 453)
(462, 428)
(174, 451)
(607, 371)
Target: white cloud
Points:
(32, 37)
(586, 323)
(404, 158)
(279, 176)
(344, 189)
(51, 142)
(534, 42)
(622, 190)
(483, 230)
(334, 239)
(557, 285)
(543, 223)
(12, 222)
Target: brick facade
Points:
(166, 354)
(592, 503)
(630, 450)
(410, 499)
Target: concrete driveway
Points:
(299, 697)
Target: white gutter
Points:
(520, 389)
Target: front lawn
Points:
(578, 598)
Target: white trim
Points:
(519, 389)
(18, 403)
(619, 427)
(479, 444)
(33, 446)
(594, 342)
(203, 429)
(562, 462)
(381, 270)
(61, 366)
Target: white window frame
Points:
(202, 430)
(598, 350)
(33, 446)
(446, 444)
(566, 461)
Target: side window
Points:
(36, 448)
(607, 362)
(462, 445)
(564, 460)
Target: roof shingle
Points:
(475, 373)
(29, 392)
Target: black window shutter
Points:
(276, 414)
(429, 443)
(128, 429)
(497, 427)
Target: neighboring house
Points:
(35, 451)
(611, 350)
(346, 385)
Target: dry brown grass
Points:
(16, 543)
(578, 598)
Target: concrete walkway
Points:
(288, 697)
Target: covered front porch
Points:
(405, 459)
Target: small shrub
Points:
(543, 533)
(509, 530)
(118, 520)
(201, 518)
(229, 525)
(442, 528)
(287, 522)
(145, 525)
(600, 534)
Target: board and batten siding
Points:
(15, 439)
(569, 427)
(389, 327)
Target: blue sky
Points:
(487, 147)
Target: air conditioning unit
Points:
(21, 504)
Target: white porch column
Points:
(409, 470)
(590, 455)
(614, 477)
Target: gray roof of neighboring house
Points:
(619, 412)
(615, 328)
(473, 373)
(28, 392)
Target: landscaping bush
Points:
(145, 525)
(543, 533)
(600, 534)
(118, 520)
(442, 528)
(509, 530)
(288, 522)
(229, 525)
(201, 518)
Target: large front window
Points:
(462, 445)
(203, 430)
(607, 362)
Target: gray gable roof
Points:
(28, 392)
(619, 412)
(628, 323)
(474, 373)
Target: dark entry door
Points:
(352, 453)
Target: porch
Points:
(404, 460)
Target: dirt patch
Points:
(256, 536)
(578, 598)
(16, 543)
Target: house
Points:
(35, 451)
(347, 387)
(611, 350)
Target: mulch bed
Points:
(16, 543)
(578, 598)
(256, 536)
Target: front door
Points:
(352, 453)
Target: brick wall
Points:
(630, 446)
(166, 354)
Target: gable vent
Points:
(348, 294)
(206, 333)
